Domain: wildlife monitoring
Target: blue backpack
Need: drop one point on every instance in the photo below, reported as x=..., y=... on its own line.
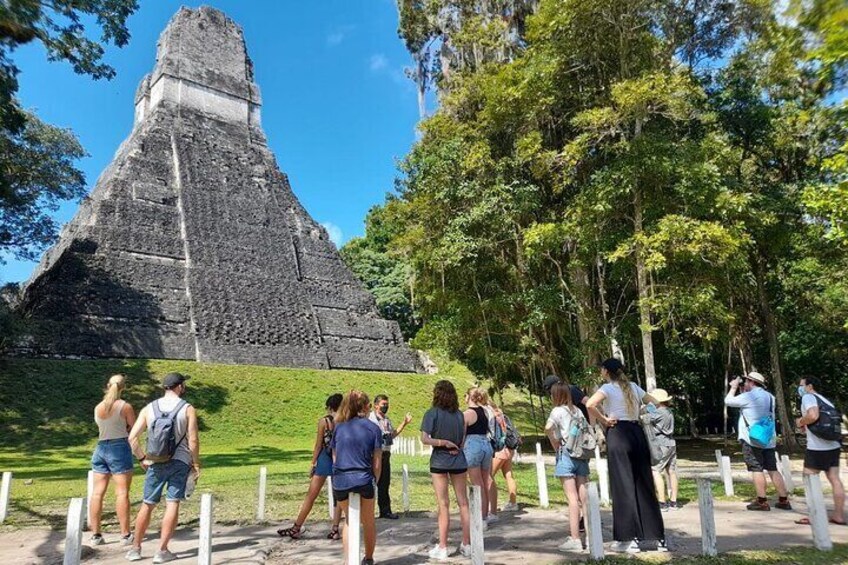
x=762, y=432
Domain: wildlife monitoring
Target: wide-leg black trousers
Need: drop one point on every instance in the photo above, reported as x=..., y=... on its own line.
x=383, y=499
x=635, y=510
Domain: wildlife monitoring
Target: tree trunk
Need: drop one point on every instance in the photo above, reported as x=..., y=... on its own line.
x=421, y=83
x=645, y=326
x=774, y=354
x=586, y=327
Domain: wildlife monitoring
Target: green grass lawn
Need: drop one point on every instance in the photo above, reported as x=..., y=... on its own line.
x=250, y=417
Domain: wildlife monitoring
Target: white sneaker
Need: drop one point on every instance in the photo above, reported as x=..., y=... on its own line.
x=439, y=553
x=164, y=556
x=625, y=547
x=465, y=550
x=492, y=518
x=133, y=554
x=571, y=544
x=510, y=507
x=485, y=525
x=662, y=546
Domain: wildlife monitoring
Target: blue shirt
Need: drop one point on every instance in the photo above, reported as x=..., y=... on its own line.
x=354, y=443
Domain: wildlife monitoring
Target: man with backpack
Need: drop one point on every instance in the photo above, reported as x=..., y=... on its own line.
x=757, y=436
x=823, y=424
x=172, y=453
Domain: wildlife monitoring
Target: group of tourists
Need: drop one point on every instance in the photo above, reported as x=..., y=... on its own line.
x=171, y=461
x=469, y=446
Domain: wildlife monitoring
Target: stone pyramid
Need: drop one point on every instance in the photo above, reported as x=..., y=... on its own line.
x=192, y=244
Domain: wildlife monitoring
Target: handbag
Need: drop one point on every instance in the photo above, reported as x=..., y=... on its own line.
x=762, y=432
x=650, y=436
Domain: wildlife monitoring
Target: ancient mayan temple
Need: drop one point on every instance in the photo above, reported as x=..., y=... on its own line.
x=192, y=244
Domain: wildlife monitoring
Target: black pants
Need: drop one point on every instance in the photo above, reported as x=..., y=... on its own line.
x=635, y=509
x=383, y=499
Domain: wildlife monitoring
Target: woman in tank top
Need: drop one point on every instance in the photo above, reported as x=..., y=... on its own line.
x=322, y=467
x=112, y=458
x=478, y=448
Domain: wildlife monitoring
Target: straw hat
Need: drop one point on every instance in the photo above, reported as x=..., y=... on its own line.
x=660, y=395
x=756, y=377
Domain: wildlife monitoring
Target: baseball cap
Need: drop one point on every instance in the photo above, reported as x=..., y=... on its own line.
x=549, y=382
x=173, y=379
x=612, y=365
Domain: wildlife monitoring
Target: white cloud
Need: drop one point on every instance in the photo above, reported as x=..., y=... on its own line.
x=378, y=62
x=335, y=233
x=338, y=35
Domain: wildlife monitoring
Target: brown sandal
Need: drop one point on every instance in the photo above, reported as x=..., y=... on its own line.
x=334, y=534
x=295, y=532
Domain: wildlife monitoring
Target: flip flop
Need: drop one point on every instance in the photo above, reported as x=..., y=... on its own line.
x=832, y=521
x=803, y=521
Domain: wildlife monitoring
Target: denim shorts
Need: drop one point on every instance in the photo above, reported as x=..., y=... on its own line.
x=568, y=467
x=324, y=465
x=478, y=452
x=173, y=473
x=112, y=457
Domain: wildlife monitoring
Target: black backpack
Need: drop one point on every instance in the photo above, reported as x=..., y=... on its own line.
x=162, y=435
x=512, y=439
x=829, y=424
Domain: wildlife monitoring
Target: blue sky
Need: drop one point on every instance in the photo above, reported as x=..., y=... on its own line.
x=337, y=108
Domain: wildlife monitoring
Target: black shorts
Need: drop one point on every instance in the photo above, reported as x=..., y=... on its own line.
x=759, y=459
x=365, y=491
x=435, y=471
x=822, y=460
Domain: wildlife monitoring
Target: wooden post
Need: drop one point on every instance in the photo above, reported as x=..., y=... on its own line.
x=353, y=541
x=718, y=462
x=818, y=512
x=73, y=532
x=260, y=506
x=4, y=495
x=705, y=507
x=603, y=478
x=204, y=548
x=786, y=465
x=594, y=532
x=727, y=475
x=405, y=487
x=475, y=507
x=89, y=492
x=331, y=502
x=541, y=478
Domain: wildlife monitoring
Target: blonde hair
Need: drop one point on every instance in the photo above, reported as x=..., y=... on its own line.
x=353, y=404
x=623, y=381
x=113, y=391
x=478, y=396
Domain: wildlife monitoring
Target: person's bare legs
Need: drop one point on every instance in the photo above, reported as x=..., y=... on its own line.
x=488, y=485
x=476, y=476
x=672, y=481
x=460, y=489
x=659, y=484
x=142, y=522
x=493, y=492
x=95, y=510
x=777, y=481
x=315, y=486
x=440, y=486
x=511, y=486
x=369, y=527
x=569, y=485
x=169, y=523
x=337, y=516
x=123, y=482
x=838, y=494
x=342, y=507
x=759, y=483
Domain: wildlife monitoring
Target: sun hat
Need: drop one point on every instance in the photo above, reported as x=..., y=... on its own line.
x=756, y=377
x=660, y=395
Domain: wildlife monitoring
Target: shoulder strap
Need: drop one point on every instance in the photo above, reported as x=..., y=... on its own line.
x=173, y=416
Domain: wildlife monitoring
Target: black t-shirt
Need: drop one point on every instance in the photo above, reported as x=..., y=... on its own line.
x=577, y=397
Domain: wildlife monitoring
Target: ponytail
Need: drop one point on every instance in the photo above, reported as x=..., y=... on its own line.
x=354, y=403
x=623, y=381
x=114, y=388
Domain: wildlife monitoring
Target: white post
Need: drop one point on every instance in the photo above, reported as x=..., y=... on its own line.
x=331, y=502
x=420, y=447
x=718, y=455
x=541, y=478
x=705, y=507
x=353, y=541
x=603, y=479
x=204, y=549
x=405, y=487
x=73, y=533
x=594, y=532
x=260, y=506
x=727, y=475
x=89, y=492
x=818, y=513
x=4, y=495
x=475, y=507
x=786, y=465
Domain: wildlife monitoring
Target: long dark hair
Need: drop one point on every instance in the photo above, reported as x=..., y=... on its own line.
x=444, y=396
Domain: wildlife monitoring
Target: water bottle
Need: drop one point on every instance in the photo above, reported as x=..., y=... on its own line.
x=571, y=440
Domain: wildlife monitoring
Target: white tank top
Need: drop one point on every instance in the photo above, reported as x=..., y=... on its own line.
x=114, y=426
x=166, y=404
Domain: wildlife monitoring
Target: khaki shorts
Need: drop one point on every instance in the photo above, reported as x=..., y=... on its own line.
x=668, y=462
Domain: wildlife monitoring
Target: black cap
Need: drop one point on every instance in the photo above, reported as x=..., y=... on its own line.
x=549, y=382
x=612, y=365
x=173, y=379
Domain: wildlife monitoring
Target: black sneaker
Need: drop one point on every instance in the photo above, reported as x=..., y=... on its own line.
x=783, y=504
x=389, y=516
x=367, y=561
x=582, y=525
x=662, y=546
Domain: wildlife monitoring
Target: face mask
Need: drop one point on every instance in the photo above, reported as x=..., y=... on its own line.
x=802, y=390
x=384, y=409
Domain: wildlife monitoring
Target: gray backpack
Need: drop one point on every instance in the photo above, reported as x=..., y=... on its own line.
x=162, y=434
